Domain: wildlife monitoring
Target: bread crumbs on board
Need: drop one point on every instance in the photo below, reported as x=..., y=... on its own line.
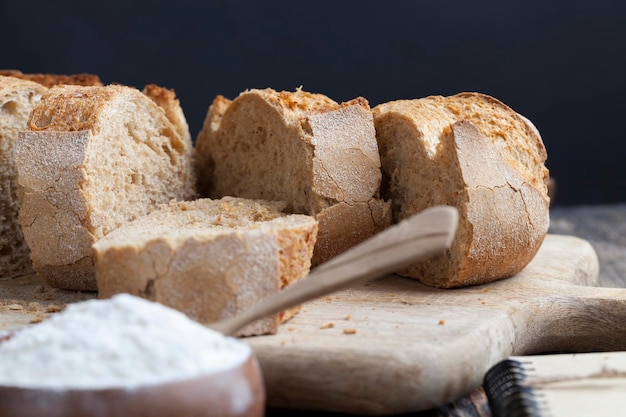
x=37, y=318
x=442, y=322
x=349, y=331
x=33, y=306
x=327, y=325
x=27, y=299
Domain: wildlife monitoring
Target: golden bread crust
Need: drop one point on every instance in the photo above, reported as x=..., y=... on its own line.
x=69, y=109
x=475, y=153
x=49, y=80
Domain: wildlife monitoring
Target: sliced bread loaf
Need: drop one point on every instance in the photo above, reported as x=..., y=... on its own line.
x=208, y=258
x=473, y=152
x=318, y=156
x=17, y=99
x=93, y=159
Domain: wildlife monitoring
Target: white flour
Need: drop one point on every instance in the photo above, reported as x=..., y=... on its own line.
x=120, y=342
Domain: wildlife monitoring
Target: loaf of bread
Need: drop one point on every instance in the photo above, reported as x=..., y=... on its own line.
x=93, y=159
x=208, y=258
x=475, y=153
x=318, y=156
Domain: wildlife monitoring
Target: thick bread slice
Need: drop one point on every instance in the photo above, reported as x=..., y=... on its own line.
x=208, y=258
x=318, y=156
x=50, y=80
x=17, y=98
x=475, y=153
x=18, y=94
x=93, y=159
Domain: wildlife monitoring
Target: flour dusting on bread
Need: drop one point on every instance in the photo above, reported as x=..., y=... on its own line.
x=475, y=153
x=105, y=155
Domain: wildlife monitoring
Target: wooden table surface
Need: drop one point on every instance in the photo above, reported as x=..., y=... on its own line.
x=605, y=228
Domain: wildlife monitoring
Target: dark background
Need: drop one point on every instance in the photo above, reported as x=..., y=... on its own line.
x=561, y=63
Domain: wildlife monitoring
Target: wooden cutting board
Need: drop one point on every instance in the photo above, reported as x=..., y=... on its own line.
x=396, y=346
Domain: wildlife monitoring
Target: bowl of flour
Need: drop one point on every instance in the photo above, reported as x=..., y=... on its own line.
x=126, y=356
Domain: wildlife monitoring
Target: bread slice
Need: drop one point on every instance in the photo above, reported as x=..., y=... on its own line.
x=93, y=159
x=17, y=99
x=477, y=154
x=19, y=93
x=318, y=156
x=208, y=258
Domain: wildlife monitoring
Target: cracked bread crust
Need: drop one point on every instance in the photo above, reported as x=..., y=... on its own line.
x=210, y=259
x=105, y=155
x=472, y=152
x=318, y=156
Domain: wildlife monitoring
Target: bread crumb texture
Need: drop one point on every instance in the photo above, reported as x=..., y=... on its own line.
x=37, y=318
x=317, y=155
x=105, y=155
x=208, y=258
x=472, y=152
x=53, y=308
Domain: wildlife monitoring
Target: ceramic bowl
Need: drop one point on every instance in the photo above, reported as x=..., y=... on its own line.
x=235, y=391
